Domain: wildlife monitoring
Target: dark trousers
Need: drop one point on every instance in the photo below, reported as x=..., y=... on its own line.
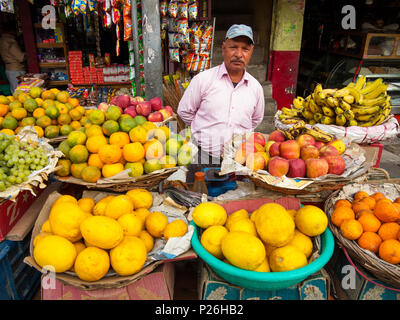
x=204, y=160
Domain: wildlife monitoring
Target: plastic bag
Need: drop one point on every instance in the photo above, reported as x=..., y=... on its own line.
x=174, y=54
x=183, y=10
x=127, y=8
x=92, y=5
x=107, y=20
x=173, y=39
x=183, y=25
x=192, y=11
x=127, y=28
x=163, y=8
x=173, y=9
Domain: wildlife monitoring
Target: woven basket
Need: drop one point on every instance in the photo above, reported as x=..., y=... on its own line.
x=57, y=140
x=150, y=181
x=379, y=268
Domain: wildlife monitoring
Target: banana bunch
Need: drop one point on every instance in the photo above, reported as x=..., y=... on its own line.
x=299, y=128
x=294, y=131
x=362, y=103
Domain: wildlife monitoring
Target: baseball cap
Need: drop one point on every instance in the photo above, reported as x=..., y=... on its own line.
x=238, y=30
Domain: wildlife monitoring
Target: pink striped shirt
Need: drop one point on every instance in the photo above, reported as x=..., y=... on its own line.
x=215, y=109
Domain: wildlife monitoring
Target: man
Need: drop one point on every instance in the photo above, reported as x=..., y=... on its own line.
x=223, y=100
x=12, y=55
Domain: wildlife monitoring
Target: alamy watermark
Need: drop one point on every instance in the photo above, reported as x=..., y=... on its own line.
x=349, y=20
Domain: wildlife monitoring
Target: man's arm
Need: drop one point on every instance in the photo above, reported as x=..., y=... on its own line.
x=190, y=101
x=258, y=113
x=16, y=52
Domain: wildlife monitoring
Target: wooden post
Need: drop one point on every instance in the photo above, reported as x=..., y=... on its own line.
x=29, y=37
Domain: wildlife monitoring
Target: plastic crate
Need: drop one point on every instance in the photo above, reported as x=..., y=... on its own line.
x=18, y=281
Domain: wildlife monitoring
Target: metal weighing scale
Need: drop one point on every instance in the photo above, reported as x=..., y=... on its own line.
x=217, y=184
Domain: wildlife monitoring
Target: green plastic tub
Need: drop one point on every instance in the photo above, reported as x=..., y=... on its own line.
x=264, y=280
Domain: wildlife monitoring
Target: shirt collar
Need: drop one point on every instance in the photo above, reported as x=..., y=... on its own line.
x=222, y=71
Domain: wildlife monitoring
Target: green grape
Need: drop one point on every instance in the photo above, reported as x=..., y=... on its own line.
x=18, y=180
x=11, y=179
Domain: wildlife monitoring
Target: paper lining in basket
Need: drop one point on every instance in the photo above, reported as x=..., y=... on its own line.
x=37, y=177
x=162, y=250
x=354, y=157
x=385, y=131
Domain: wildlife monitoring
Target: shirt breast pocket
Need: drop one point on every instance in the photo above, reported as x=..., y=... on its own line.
x=244, y=110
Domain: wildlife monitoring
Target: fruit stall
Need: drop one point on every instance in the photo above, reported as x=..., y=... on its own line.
x=95, y=202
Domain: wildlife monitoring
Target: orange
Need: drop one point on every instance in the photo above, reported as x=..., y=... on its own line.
x=369, y=222
x=133, y=152
x=76, y=125
x=389, y=230
x=360, y=195
x=38, y=112
x=73, y=101
x=78, y=154
x=370, y=202
x=94, y=160
x=370, y=241
x=94, y=143
x=153, y=149
x=341, y=203
x=389, y=250
x=385, y=200
x=378, y=196
x=362, y=212
x=110, y=170
x=75, y=114
x=386, y=211
x=397, y=205
x=3, y=110
x=358, y=206
x=64, y=118
x=120, y=139
x=110, y=153
x=340, y=214
x=8, y=132
x=39, y=131
x=397, y=200
x=351, y=229
x=19, y=113
x=91, y=174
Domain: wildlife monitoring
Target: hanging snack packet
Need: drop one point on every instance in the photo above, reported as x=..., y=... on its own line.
x=107, y=20
x=163, y=34
x=172, y=25
x=182, y=10
x=192, y=10
x=174, y=54
x=107, y=5
x=163, y=8
x=173, y=39
x=116, y=16
x=183, y=25
x=173, y=9
x=92, y=5
x=127, y=8
x=127, y=28
x=81, y=5
x=164, y=23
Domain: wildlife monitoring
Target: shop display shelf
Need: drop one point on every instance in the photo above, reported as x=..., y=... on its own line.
x=52, y=64
x=50, y=45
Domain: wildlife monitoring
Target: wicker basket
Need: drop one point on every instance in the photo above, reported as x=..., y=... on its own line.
x=379, y=268
x=148, y=181
x=57, y=140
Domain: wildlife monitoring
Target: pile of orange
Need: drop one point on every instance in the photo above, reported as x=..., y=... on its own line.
x=51, y=112
x=371, y=220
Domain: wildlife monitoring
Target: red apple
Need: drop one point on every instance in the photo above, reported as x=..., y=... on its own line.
x=297, y=168
x=139, y=99
x=143, y=108
x=305, y=139
x=328, y=150
x=309, y=151
x=155, y=117
x=240, y=156
x=337, y=165
x=319, y=144
x=156, y=103
x=278, y=166
x=257, y=137
x=277, y=136
x=169, y=109
x=102, y=106
x=259, y=147
x=274, y=149
x=248, y=147
x=164, y=113
x=131, y=111
x=316, y=167
x=289, y=149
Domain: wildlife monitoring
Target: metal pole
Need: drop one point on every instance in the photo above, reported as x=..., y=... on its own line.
x=135, y=42
x=152, y=48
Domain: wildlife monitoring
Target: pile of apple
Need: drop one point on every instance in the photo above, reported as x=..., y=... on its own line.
x=153, y=110
x=301, y=158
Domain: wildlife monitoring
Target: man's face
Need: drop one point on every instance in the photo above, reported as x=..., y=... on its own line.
x=237, y=53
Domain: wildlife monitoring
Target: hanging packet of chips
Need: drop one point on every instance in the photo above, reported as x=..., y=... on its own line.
x=92, y=5
x=107, y=20
x=81, y=6
x=107, y=5
x=174, y=54
x=183, y=25
x=164, y=23
x=163, y=8
x=192, y=10
x=172, y=25
x=173, y=39
x=127, y=8
x=182, y=10
x=127, y=28
x=116, y=16
x=173, y=9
